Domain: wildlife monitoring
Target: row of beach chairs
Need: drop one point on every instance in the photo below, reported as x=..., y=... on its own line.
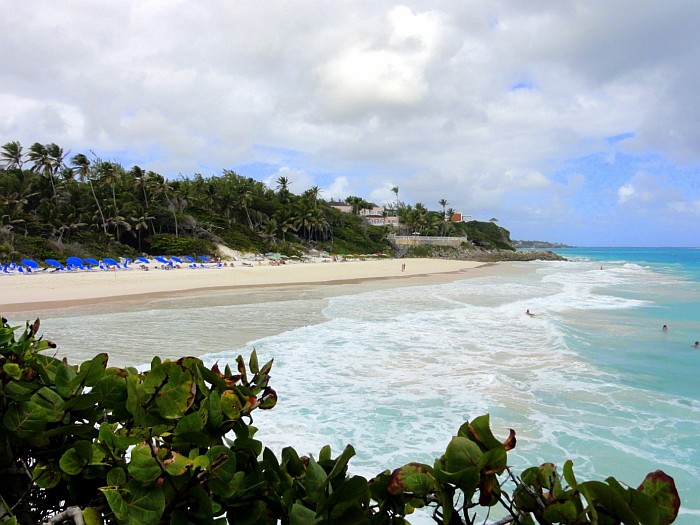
x=29, y=266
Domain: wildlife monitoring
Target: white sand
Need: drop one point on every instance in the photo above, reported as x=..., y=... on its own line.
x=63, y=289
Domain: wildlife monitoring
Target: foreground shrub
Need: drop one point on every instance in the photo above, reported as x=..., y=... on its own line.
x=176, y=445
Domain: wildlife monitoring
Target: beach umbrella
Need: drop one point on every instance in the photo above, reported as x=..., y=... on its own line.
x=91, y=261
x=143, y=260
x=162, y=260
x=190, y=259
x=177, y=260
x=30, y=264
x=110, y=262
x=203, y=258
x=75, y=261
x=54, y=263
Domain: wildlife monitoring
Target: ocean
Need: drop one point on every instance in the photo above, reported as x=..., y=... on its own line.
x=592, y=377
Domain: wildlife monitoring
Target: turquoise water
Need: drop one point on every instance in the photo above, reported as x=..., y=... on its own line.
x=394, y=372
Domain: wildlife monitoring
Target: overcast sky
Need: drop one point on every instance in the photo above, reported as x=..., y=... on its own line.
x=568, y=121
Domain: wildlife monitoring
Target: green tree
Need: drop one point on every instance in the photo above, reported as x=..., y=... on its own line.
x=12, y=155
x=81, y=164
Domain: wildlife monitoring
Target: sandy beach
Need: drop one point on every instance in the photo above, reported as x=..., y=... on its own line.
x=51, y=290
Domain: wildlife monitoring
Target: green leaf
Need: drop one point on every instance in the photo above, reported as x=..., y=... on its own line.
x=569, y=474
x=92, y=516
x=76, y=458
x=604, y=496
x=46, y=476
x=137, y=504
x=20, y=390
x=660, y=487
x=300, y=515
x=415, y=478
x=461, y=453
x=479, y=431
x=177, y=464
x=561, y=512
x=176, y=396
x=116, y=477
x=49, y=403
x=143, y=467
x=253, y=362
x=216, y=416
x=190, y=423
x=64, y=374
x=342, y=461
x=231, y=405
x=13, y=370
x=91, y=372
x=314, y=481
x=23, y=421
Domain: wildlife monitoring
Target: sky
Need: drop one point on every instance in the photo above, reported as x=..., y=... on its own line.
x=568, y=121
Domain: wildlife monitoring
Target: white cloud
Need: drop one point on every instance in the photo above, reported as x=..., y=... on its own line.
x=625, y=193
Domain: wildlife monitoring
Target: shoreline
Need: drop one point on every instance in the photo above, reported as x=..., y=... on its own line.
x=48, y=292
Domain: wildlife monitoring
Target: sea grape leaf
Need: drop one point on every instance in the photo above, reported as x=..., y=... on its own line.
x=231, y=405
x=92, y=371
x=352, y=491
x=12, y=370
x=563, y=512
x=604, y=496
x=461, y=453
x=660, y=487
x=92, y=516
x=177, y=464
x=190, y=423
x=253, y=362
x=116, y=477
x=143, y=466
x=20, y=390
x=479, y=431
x=178, y=394
x=49, y=403
x=76, y=458
x=24, y=422
x=46, y=476
x=213, y=403
x=137, y=505
x=341, y=462
x=314, y=481
x=413, y=477
x=301, y=515
x=569, y=474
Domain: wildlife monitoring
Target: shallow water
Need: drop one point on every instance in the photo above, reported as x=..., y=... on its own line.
x=395, y=371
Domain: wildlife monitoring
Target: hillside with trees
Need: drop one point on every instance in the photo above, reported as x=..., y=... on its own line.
x=55, y=204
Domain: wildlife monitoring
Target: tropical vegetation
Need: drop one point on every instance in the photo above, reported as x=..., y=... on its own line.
x=54, y=203
x=176, y=444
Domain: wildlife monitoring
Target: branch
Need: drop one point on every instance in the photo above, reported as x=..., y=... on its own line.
x=74, y=513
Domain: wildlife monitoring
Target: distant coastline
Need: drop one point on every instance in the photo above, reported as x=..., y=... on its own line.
x=539, y=244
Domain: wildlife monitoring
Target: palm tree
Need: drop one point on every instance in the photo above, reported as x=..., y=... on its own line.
x=395, y=190
x=43, y=163
x=283, y=188
x=141, y=223
x=82, y=167
x=443, y=203
x=12, y=155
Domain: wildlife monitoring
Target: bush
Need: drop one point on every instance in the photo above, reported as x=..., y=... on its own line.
x=176, y=445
